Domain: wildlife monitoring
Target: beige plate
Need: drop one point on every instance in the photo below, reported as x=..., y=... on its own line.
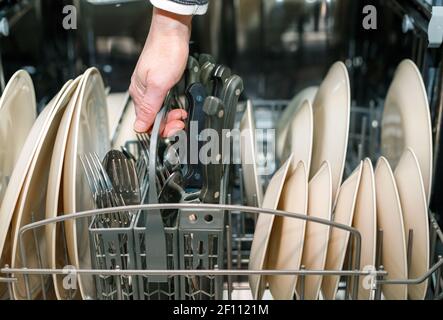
x=300, y=135
x=253, y=187
x=390, y=221
x=263, y=230
x=88, y=133
x=287, y=237
x=331, y=124
x=415, y=215
x=317, y=235
x=407, y=122
x=125, y=131
x=54, y=207
x=338, y=241
x=31, y=204
x=17, y=115
x=116, y=108
x=287, y=117
x=365, y=221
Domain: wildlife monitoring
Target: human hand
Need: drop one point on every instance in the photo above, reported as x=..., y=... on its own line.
x=160, y=67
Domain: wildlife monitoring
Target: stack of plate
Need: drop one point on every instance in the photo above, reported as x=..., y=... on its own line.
x=315, y=135
x=47, y=180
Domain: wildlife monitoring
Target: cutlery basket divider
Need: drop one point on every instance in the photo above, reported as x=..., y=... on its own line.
x=201, y=243
x=147, y=288
x=113, y=248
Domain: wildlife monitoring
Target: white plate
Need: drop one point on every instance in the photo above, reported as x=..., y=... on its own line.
x=263, y=228
x=415, y=215
x=252, y=184
x=31, y=204
x=288, y=115
x=300, y=135
x=126, y=130
x=287, y=236
x=407, y=122
x=390, y=221
x=332, y=107
x=54, y=204
x=88, y=133
x=317, y=235
x=365, y=221
x=17, y=115
x=116, y=108
x=338, y=240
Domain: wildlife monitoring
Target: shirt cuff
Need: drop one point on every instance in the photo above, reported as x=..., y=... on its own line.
x=183, y=9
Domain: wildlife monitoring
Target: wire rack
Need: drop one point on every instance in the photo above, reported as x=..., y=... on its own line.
x=208, y=246
x=221, y=276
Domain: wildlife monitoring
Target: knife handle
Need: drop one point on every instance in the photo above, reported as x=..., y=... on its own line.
x=213, y=167
x=196, y=96
x=220, y=76
x=192, y=71
x=204, y=57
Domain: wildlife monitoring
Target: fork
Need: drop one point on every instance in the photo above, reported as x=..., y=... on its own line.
x=103, y=191
x=123, y=176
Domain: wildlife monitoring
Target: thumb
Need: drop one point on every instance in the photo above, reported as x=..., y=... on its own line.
x=148, y=106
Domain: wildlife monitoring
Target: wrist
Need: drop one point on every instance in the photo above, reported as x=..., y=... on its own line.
x=169, y=23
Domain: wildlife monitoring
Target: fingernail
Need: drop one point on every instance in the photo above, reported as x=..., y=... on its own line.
x=140, y=126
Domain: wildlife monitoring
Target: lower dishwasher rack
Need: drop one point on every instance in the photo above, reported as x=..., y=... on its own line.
x=202, y=258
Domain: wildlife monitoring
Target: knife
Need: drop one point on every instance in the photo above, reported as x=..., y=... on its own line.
x=196, y=96
x=206, y=75
x=192, y=71
x=204, y=57
x=213, y=168
x=220, y=76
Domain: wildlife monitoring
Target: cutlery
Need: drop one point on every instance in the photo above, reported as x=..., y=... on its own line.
x=196, y=96
x=123, y=176
x=213, y=167
x=219, y=77
x=192, y=71
x=204, y=57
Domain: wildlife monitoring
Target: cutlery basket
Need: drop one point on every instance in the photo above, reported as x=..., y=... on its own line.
x=201, y=243
x=149, y=288
x=112, y=249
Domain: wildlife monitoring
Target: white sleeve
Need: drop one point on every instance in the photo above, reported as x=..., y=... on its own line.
x=184, y=7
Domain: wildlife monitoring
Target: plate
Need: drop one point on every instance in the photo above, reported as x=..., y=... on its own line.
x=415, y=216
x=31, y=205
x=116, y=109
x=125, y=131
x=17, y=116
x=390, y=221
x=288, y=115
x=300, y=135
x=56, y=246
x=331, y=124
x=365, y=221
x=88, y=134
x=407, y=122
x=252, y=183
x=287, y=236
x=338, y=239
x=263, y=228
x=317, y=235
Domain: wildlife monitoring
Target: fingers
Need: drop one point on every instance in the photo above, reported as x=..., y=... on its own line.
x=176, y=114
x=174, y=122
x=173, y=127
x=148, y=101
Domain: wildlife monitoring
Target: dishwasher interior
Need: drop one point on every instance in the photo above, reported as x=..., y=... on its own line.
x=278, y=48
